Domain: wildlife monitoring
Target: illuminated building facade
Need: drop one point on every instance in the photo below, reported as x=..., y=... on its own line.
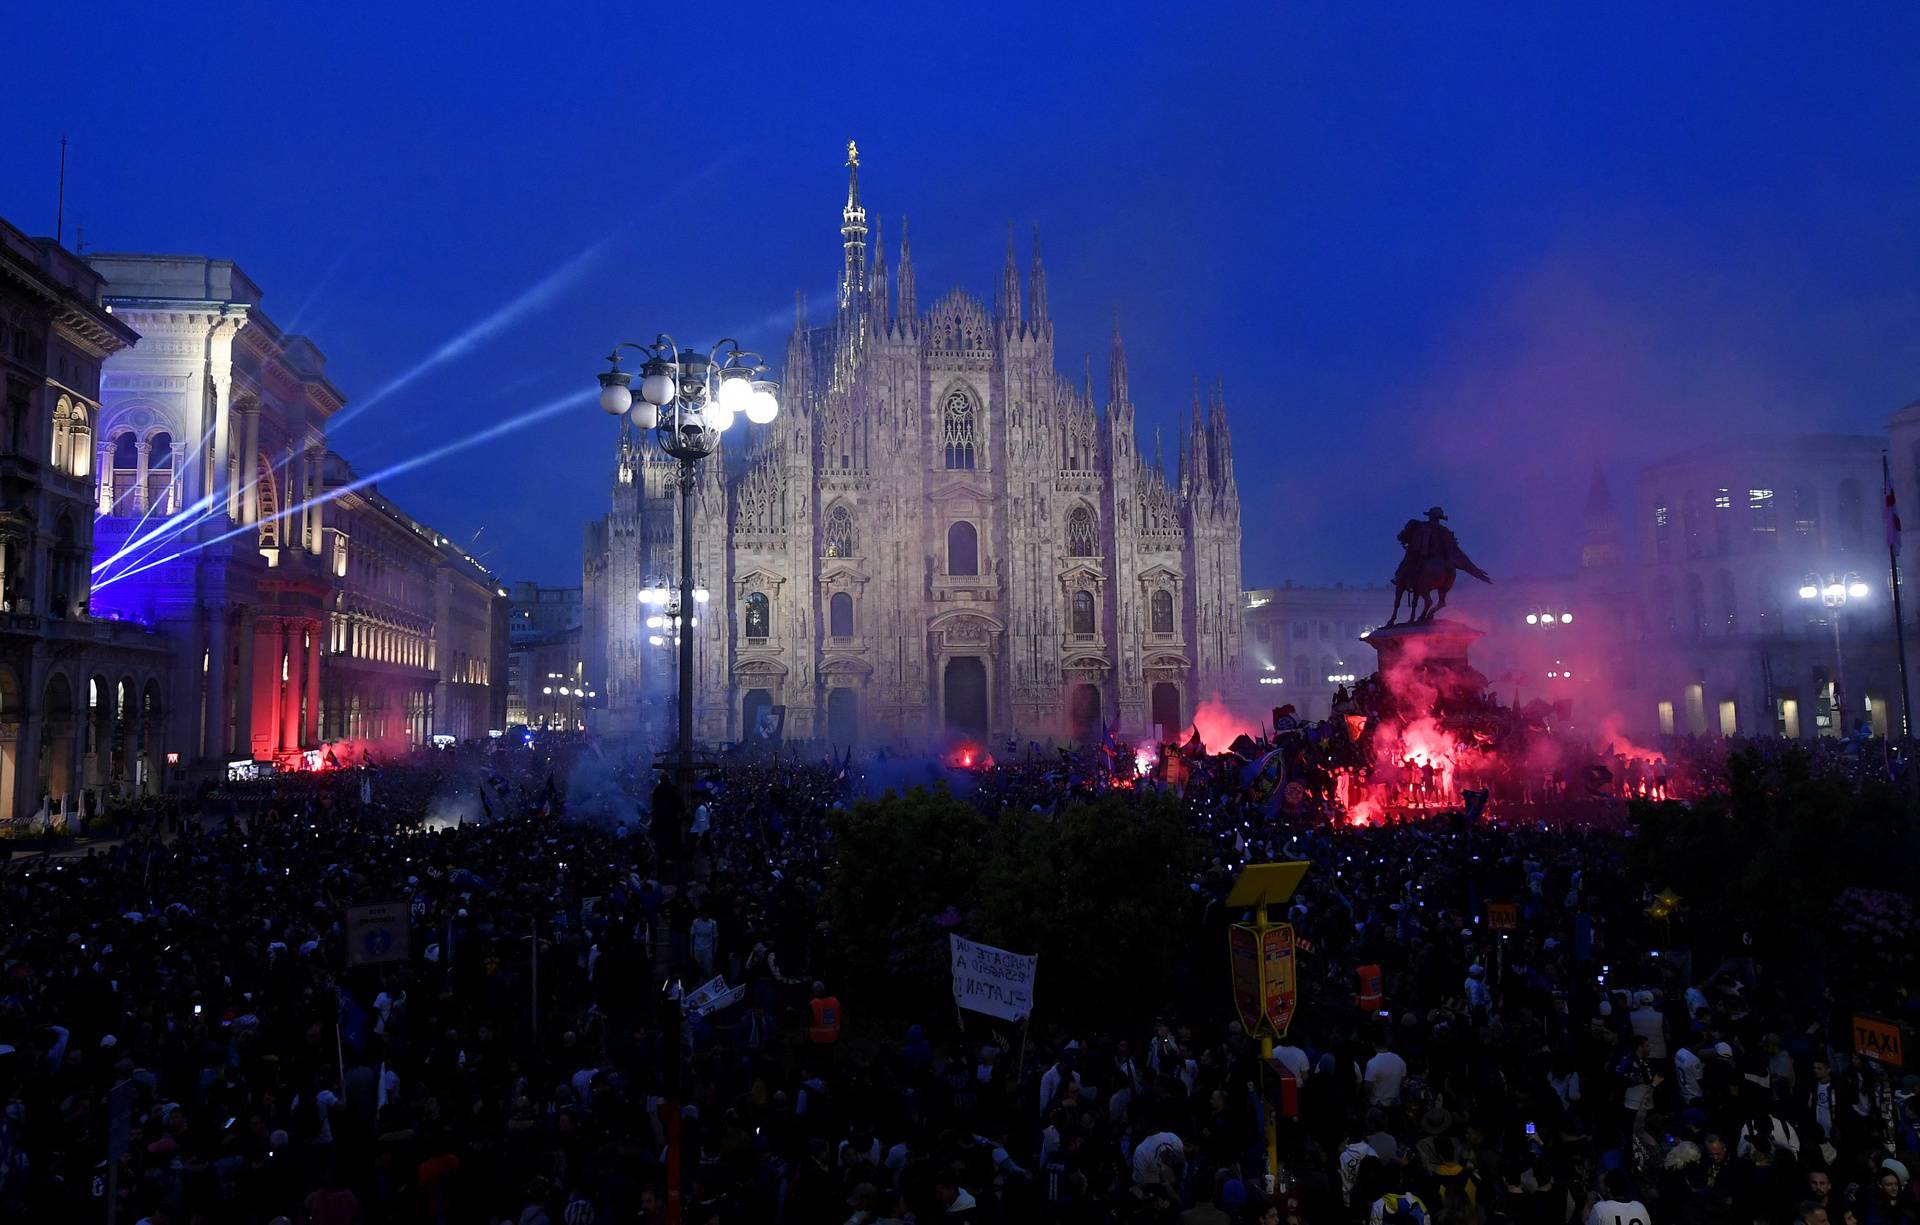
x=1302, y=642
x=940, y=535
x=82, y=696
x=548, y=686
x=219, y=521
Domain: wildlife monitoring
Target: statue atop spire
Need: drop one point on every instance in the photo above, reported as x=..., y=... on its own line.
x=853, y=236
x=1117, y=365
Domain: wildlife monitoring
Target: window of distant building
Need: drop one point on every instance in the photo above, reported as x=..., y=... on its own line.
x=758, y=614
x=839, y=533
x=1662, y=531
x=1762, y=518
x=1083, y=612
x=963, y=549
x=1696, y=625
x=1081, y=541
x=1806, y=512
x=1690, y=516
x=959, y=431
x=1726, y=606
x=1163, y=615
x=1852, y=514
x=840, y=615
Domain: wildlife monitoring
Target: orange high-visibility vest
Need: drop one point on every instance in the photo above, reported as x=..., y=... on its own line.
x=1371, y=994
x=826, y=1020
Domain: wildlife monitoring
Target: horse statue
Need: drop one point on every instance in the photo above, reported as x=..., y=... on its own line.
x=1426, y=572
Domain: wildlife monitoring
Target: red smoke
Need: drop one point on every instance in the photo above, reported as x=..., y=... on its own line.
x=1218, y=726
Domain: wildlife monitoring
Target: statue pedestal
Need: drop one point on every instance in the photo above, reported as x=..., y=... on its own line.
x=1424, y=664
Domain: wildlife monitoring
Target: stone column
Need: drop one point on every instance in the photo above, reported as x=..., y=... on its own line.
x=313, y=686
x=264, y=730
x=146, y=459
x=218, y=734
x=220, y=366
x=316, y=482
x=296, y=673
x=245, y=683
x=250, y=462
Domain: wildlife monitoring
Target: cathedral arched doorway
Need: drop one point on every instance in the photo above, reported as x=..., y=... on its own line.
x=1167, y=725
x=843, y=717
x=1083, y=713
x=756, y=703
x=965, y=695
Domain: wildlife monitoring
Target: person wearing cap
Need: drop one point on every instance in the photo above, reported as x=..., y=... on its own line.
x=1886, y=1202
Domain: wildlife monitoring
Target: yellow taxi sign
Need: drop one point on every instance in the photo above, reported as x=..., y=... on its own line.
x=1266, y=884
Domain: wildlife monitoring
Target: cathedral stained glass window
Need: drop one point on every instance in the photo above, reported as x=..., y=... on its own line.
x=959, y=431
x=757, y=614
x=1081, y=541
x=839, y=536
x=1163, y=612
x=1083, y=612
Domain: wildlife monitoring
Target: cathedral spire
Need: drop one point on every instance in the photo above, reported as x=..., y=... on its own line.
x=908, y=306
x=1008, y=302
x=1117, y=365
x=853, y=236
x=1159, y=462
x=1037, y=281
x=879, y=285
x=1220, y=436
x=1197, y=442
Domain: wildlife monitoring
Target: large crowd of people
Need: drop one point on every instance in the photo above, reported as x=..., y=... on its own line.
x=541, y=1040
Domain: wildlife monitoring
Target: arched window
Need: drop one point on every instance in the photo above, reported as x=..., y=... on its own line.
x=160, y=473
x=1302, y=674
x=839, y=534
x=1726, y=605
x=1082, y=612
x=758, y=614
x=840, y=615
x=963, y=549
x=959, y=432
x=1081, y=541
x=62, y=432
x=1696, y=624
x=1163, y=613
x=126, y=473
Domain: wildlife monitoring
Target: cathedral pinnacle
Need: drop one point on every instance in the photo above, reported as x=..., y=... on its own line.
x=908, y=306
x=1008, y=302
x=1037, y=281
x=1117, y=364
x=853, y=235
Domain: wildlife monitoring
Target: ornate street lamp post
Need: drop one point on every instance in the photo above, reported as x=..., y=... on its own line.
x=688, y=400
x=1834, y=592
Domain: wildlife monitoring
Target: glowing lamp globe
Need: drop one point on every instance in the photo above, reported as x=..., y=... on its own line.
x=763, y=405
x=658, y=388
x=1858, y=591
x=1808, y=592
x=720, y=413
x=615, y=397
x=736, y=389
x=644, y=415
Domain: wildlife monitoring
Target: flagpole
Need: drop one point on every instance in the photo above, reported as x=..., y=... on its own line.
x=1899, y=621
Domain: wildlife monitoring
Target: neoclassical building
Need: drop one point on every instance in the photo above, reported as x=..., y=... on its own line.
x=940, y=535
x=299, y=605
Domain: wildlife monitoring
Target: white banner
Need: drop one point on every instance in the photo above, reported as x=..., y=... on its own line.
x=991, y=980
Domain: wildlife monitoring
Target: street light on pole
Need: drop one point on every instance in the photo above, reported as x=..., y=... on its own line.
x=688, y=400
x=1833, y=592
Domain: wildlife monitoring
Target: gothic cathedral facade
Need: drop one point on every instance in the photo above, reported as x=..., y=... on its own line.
x=940, y=537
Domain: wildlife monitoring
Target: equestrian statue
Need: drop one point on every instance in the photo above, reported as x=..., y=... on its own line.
x=1427, y=570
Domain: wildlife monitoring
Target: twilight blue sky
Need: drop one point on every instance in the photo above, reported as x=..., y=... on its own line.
x=1437, y=253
